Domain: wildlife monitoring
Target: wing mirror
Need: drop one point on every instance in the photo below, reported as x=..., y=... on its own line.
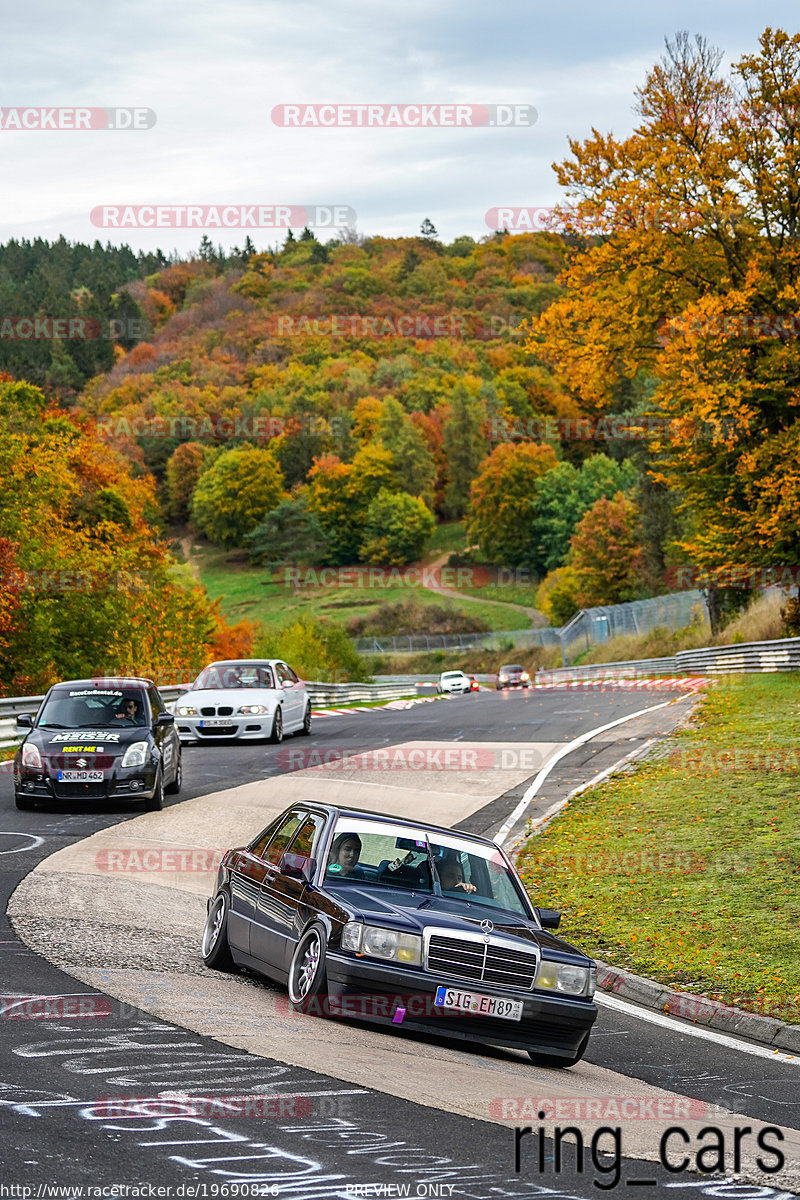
x=24, y=721
x=298, y=866
x=549, y=918
x=165, y=718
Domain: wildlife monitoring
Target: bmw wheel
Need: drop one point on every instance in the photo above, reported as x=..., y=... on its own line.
x=214, y=946
x=307, y=976
x=277, y=726
x=305, y=728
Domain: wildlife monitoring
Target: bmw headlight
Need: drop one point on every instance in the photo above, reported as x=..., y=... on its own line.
x=255, y=709
x=31, y=758
x=378, y=942
x=186, y=710
x=564, y=977
x=135, y=755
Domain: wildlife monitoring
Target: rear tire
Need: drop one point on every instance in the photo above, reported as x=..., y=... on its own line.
x=214, y=946
x=305, y=728
x=277, y=726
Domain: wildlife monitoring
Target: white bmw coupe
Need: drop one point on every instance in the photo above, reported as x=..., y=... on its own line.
x=245, y=698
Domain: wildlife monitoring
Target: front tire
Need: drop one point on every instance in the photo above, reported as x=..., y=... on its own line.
x=277, y=726
x=550, y=1060
x=156, y=802
x=307, y=976
x=214, y=946
x=177, y=782
x=23, y=803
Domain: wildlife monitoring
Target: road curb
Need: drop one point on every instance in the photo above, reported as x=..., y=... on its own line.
x=700, y=1010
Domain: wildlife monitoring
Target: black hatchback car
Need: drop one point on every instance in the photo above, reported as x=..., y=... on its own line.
x=98, y=739
x=404, y=924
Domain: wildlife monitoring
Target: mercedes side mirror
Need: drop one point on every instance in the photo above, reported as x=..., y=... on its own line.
x=549, y=918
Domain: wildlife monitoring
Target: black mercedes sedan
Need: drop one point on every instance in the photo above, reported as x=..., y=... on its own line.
x=404, y=924
x=98, y=740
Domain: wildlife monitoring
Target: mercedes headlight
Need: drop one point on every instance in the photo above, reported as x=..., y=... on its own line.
x=503, y=678
x=525, y=675
x=378, y=942
x=255, y=709
x=135, y=755
x=564, y=977
x=186, y=710
x=31, y=758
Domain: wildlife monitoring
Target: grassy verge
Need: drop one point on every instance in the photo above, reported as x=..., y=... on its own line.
x=474, y=661
x=260, y=595
x=687, y=871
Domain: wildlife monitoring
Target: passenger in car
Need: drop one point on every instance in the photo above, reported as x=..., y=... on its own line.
x=451, y=877
x=345, y=853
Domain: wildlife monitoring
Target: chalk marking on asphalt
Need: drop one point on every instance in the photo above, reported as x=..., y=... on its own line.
x=37, y=841
x=706, y=1035
x=516, y=815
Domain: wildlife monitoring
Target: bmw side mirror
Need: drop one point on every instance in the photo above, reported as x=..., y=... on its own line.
x=549, y=918
x=165, y=718
x=24, y=721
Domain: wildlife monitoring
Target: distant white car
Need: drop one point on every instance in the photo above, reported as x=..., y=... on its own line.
x=454, y=681
x=241, y=699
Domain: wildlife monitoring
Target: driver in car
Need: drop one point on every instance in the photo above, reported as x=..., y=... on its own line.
x=128, y=710
x=451, y=877
x=345, y=853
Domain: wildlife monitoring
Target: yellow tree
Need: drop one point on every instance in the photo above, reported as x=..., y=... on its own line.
x=687, y=272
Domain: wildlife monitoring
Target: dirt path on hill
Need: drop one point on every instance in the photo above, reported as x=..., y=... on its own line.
x=535, y=616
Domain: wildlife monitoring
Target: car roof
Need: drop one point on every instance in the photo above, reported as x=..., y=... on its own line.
x=242, y=662
x=106, y=683
x=388, y=819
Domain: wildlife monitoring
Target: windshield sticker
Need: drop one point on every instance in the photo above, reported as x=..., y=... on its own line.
x=89, y=733
x=335, y=867
x=98, y=692
x=82, y=749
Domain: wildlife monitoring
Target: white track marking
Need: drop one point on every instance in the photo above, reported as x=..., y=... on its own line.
x=706, y=1035
x=516, y=815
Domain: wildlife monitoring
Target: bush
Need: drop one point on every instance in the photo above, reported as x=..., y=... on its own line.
x=235, y=494
x=410, y=617
x=556, y=595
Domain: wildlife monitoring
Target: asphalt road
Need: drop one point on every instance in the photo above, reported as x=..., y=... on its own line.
x=56, y=1070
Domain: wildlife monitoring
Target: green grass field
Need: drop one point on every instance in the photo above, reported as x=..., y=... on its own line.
x=687, y=870
x=269, y=597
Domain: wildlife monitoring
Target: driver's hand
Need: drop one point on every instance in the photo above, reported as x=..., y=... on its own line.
x=467, y=887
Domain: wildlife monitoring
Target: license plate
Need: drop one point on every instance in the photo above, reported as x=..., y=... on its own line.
x=480, y=1005
x=222, y=723
x=81, y=776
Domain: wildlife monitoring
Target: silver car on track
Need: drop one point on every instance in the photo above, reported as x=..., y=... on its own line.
x=244, y=699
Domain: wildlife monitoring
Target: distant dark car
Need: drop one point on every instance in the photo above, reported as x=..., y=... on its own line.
x=404, y=924
x=97, y=739
x=512, y=676
x=474, y=686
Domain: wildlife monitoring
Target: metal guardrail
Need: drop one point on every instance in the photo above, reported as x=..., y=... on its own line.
x=748, y=657
x=322, y=695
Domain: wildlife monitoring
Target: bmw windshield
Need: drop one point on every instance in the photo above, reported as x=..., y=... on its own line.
x=402, y=857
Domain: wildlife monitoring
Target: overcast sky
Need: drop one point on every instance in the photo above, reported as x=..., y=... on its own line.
x=213, y=73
